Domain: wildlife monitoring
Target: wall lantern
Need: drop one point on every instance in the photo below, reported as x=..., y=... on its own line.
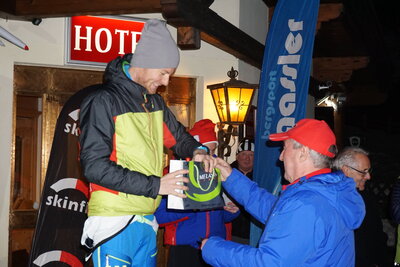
x=232, y=100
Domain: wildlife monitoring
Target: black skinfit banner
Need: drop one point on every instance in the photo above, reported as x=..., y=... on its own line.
x=62, y=210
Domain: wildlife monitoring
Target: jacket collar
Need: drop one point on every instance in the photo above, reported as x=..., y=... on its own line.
x=301, y=179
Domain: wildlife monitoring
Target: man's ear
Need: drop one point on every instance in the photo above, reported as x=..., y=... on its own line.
x=304, y=153
x=345, y=170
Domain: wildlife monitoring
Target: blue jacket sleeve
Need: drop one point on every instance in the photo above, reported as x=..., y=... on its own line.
x=256, y=201
x=228, y=216
x=165, y=216
x=279, y=246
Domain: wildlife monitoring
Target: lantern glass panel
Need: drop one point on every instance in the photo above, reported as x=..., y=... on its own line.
x=232, y=99
x=219, y=101
x=239, y=101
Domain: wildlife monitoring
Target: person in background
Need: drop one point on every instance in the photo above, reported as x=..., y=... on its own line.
x=245, y=157
x=370, y=240
x=124, y=128
x=184, y=230
x=311, y=222
x=244, y=163
x=204, y=132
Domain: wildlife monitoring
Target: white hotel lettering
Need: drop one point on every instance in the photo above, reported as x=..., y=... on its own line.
x=104, y=34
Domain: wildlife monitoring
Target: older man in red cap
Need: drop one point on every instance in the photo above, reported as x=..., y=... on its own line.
x=311, y=223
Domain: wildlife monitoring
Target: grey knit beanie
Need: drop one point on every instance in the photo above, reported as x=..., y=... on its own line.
x=156, y=49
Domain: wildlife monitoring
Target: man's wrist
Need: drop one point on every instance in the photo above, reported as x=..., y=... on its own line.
x=201, y=150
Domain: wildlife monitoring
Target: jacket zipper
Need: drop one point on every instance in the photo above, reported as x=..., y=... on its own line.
x=150, y=133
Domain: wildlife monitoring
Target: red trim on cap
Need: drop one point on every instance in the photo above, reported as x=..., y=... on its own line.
x=278, y=136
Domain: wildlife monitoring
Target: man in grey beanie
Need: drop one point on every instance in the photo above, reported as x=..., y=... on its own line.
x=124, y=128
x=156, y=48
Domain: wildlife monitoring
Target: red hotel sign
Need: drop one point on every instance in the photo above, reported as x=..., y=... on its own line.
x=98, y=40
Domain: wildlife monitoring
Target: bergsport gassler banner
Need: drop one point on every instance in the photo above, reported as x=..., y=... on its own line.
x=283, y=86
x=62, y=210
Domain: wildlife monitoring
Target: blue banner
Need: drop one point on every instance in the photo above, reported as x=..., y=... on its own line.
x=283, y=87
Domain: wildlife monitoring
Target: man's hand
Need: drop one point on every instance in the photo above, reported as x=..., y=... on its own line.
x=209, y=163
x=172, y=182
x=222, y=165
x=231, y=207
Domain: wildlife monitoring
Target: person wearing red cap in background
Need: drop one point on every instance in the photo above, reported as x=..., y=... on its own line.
x=204, y=132
x=184, y=230
x=311, y=222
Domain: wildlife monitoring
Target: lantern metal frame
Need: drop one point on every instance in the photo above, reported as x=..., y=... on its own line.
x=232, y=101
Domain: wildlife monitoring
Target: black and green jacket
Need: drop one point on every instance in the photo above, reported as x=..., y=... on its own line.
x=123, y=133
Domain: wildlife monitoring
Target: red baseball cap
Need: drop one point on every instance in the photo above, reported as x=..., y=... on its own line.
x=312, y=133
x=204, y=132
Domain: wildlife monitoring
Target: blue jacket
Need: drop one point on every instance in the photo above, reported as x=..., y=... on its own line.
x=311, y=224
x=188, y=227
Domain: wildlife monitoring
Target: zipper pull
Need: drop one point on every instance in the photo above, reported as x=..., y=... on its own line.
x=107, y=262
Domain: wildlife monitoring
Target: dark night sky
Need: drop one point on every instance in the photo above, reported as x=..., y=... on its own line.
x=377, y=24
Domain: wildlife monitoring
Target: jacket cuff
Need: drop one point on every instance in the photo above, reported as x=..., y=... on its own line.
x=155, y=185
x=210, y=249
x=232, y=178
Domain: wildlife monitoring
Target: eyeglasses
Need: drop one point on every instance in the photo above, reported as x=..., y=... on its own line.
x=363, y=173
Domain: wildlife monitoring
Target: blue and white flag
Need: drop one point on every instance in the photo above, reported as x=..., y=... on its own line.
x=284, y=84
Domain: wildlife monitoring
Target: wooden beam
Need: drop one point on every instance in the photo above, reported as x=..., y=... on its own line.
x=328, y=12
x=214, y=29
x=66, y=8
x=337, y=69
x=188, y=38
x=232, y=50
